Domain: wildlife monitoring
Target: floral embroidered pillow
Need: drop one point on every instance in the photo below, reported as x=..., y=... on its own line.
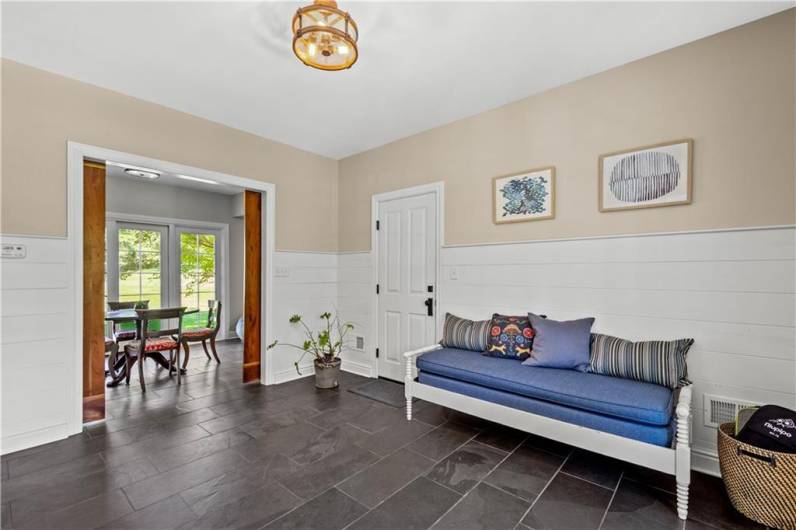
x=510, y=337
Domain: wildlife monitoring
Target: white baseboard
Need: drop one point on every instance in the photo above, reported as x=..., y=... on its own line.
x=283, y=376
x=26, y=440
x=705, y=461
x=365, y=370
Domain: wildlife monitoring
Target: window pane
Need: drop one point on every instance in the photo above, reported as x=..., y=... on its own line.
x=149, y=240
x=207, y=243
x=187, y=243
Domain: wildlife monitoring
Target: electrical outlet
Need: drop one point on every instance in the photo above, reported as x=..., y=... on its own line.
x=454, y=273
x=360, y=343
x=14, y=251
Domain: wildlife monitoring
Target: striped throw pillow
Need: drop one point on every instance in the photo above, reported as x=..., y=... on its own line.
x=465, y=334
x=656, y=361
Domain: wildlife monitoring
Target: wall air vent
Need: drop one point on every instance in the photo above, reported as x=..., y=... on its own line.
x=718, y=409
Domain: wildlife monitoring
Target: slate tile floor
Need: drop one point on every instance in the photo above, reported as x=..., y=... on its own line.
x=214, y=453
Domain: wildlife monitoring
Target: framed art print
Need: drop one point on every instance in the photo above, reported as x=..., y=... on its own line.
x=646, y=177
x=526, y=196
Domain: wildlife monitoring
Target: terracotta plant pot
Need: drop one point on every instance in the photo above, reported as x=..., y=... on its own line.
x=327, y=375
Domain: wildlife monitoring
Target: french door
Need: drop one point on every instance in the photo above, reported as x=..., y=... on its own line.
x=168, y=265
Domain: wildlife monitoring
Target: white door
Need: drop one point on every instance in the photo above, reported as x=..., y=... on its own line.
x=407, y=279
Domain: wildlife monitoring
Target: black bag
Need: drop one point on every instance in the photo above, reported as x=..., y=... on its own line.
x=772, y=428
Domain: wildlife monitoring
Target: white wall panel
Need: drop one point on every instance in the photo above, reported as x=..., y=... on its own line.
x=37, y=341
x=732, y=291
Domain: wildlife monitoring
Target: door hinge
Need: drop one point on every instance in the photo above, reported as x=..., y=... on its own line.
x=377, y=288
x=377, y=353
x=377, y=225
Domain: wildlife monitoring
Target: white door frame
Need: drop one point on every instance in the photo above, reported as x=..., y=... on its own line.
x=438, y=189
x=174, y=225
x=76, y=153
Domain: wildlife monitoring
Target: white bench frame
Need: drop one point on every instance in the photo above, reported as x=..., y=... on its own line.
x=674, y=460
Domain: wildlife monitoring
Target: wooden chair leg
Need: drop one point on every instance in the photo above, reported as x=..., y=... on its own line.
x=213, y=347
x=129, y=362
x=204, y=345
x=187, y=354
x=171, y=361
x=141, y=359
x=179, y=370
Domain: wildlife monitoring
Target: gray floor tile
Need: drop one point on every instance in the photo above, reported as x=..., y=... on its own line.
x=185, y=453
x=48, y=496
x=171, y=482
x=415, y=507
x=551, y=446
x=229, y=487
x=484, y=508
x=593, y=467
x=443, y=440
x=383, y=478
x=286, y=440
x=252, y=510
x=328, y=442
x=464, y=468
x=636, y=506
x=304, y=438
x=388, y=440
x=91, y=513
x=166, y=514
x=569, y=502
x=525, y=472
x=502, y=437
x=328, y=471
x=709, y=504
x=332, y=510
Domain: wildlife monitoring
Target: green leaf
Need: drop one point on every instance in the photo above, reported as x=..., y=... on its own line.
x=326, y=315
x=295, y=319
x=307, y=345
x=272, y=345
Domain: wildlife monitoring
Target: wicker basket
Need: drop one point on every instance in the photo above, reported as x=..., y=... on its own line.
x=761, y=484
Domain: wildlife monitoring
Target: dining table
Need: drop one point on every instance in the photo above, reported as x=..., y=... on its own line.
x=117, y=368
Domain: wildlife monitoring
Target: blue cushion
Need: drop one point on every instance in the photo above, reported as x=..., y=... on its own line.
x=563, y=344
x=622, y=398
x=652, y=434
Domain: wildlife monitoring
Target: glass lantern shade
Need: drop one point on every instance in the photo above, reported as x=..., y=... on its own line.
x=325, y=37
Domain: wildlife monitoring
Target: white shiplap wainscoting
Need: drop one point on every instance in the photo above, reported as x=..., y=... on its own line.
x=355, y=294
x=305, y=283
x=731, y=290
x=38, y=343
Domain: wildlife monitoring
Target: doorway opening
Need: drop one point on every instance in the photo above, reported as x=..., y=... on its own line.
x=187, y=238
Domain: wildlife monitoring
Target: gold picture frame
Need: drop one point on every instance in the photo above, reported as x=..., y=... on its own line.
x=548, y=202
x=681, y=193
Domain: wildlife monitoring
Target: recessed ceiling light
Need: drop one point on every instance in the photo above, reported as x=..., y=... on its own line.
x=142, y=173
x=197, y=179
x=128, y=166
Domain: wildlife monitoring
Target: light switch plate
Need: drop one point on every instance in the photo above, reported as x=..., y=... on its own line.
x=282, y=271
x=14, y=251
x=454, y=274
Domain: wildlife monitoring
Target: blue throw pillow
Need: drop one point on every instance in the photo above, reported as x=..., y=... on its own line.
x=560, y=344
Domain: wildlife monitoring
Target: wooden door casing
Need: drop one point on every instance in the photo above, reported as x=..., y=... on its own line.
x=93, y=291
x=252, y=286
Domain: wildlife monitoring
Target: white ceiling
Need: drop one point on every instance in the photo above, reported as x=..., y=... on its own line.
x=421, y=65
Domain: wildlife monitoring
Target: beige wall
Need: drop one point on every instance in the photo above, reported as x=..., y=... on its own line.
x=42, y=111
x=733, y=93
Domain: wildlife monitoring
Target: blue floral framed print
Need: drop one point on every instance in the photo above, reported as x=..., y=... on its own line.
x=526, y=196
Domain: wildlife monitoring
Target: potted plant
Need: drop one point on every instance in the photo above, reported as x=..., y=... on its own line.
x=325, y=345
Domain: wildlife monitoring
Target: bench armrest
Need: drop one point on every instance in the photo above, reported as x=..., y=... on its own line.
x=683, y=408
x=414, y=353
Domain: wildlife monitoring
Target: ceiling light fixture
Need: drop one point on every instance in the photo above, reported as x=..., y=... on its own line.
x=325, y=37
x=197, y=179
x=151, y=175
x=128, y=166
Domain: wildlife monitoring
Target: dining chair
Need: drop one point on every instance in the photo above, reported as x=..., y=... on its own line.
x=152, y=341
x=204, y=334
x=126, y=334
x=111, y=354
